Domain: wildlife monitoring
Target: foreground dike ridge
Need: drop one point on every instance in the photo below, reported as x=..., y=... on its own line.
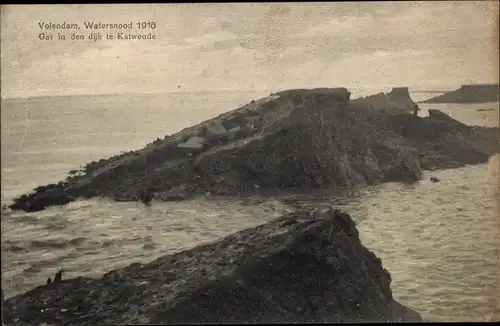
x=292, y=140
x=306, y=266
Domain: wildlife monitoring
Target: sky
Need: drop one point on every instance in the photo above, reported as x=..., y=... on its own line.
x=211, y=47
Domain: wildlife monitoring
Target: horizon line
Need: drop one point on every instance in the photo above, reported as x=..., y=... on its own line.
x=120, y=93
x=420, y=89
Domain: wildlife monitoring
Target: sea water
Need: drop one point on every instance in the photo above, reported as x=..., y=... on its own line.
x=438, y=240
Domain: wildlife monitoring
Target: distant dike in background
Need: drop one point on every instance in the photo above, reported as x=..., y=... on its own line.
x=481, y=93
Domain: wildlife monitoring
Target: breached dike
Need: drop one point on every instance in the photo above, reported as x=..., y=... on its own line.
x=307, y=266
x=398, y=99
x=291, y=141
x=483, y=93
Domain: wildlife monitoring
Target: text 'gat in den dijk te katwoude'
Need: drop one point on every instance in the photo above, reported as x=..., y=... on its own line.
x=95, y=31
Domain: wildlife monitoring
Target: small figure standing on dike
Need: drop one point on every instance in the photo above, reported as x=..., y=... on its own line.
x=146, y=195
x=415, y=110
x=58, y=276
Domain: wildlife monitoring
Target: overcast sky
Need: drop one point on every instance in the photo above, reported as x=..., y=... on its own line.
x=204, y=47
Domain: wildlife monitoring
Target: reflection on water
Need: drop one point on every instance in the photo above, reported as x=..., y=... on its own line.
x=438, y=240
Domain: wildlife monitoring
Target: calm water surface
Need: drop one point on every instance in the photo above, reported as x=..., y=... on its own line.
x=438, y=240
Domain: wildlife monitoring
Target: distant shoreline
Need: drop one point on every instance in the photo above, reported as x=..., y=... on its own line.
x=429, y=91
x=468, y=94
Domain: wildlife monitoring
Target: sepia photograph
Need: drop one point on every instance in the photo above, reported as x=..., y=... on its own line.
x=214, y=163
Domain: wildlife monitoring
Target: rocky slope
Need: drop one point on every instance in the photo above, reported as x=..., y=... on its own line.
x=469, y=94
x=307, y=266
x=289, y=141
x=441, y=141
